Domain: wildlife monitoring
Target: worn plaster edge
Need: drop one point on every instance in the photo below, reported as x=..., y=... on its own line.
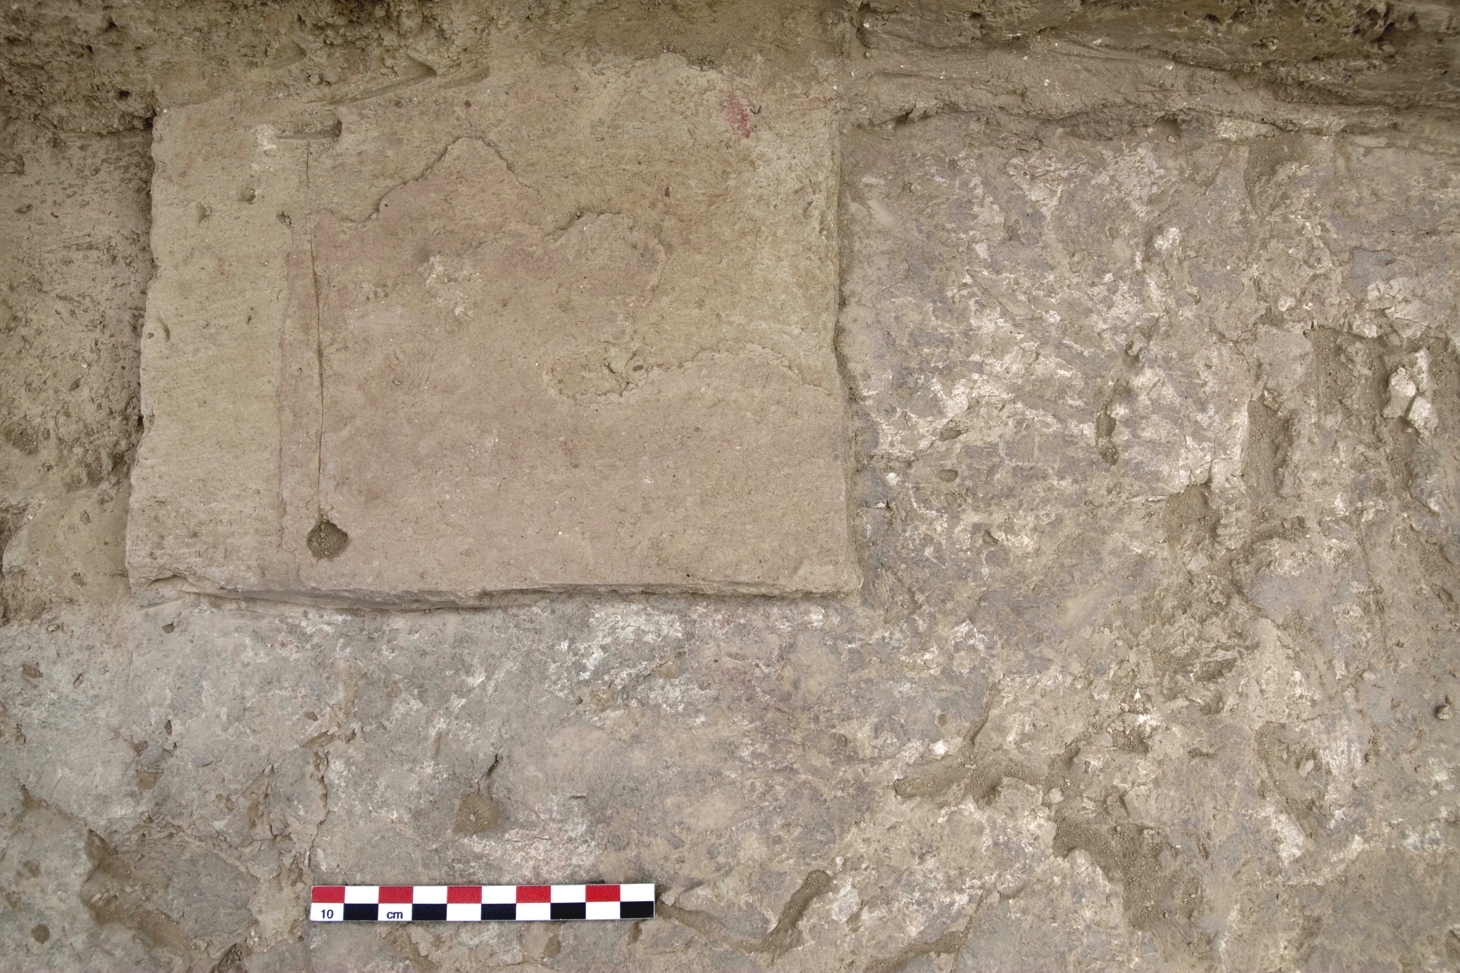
x=175, y=588
x=147, y=537
x=135, y=546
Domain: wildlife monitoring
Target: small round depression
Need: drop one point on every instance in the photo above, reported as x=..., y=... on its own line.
x=325, y=540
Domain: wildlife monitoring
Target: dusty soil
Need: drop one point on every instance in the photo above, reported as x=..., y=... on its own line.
x=1149, y=330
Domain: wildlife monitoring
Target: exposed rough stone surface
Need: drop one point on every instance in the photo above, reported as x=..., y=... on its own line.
x=1126, y=415
x=463, y=342
x=1154, y=387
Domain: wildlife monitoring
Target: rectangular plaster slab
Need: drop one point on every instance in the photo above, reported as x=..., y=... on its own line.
x=567, y=326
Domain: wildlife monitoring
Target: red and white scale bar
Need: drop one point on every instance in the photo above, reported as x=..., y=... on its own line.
x=480, y=903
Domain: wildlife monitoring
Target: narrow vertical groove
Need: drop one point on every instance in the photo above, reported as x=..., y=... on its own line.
x=318, y=355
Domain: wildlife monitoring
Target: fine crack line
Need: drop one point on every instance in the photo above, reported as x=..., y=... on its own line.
x=426, y=171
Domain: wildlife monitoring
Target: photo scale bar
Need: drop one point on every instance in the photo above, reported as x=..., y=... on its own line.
x=480, y=903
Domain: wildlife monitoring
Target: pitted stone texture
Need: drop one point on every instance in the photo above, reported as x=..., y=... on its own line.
x=472, y=342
